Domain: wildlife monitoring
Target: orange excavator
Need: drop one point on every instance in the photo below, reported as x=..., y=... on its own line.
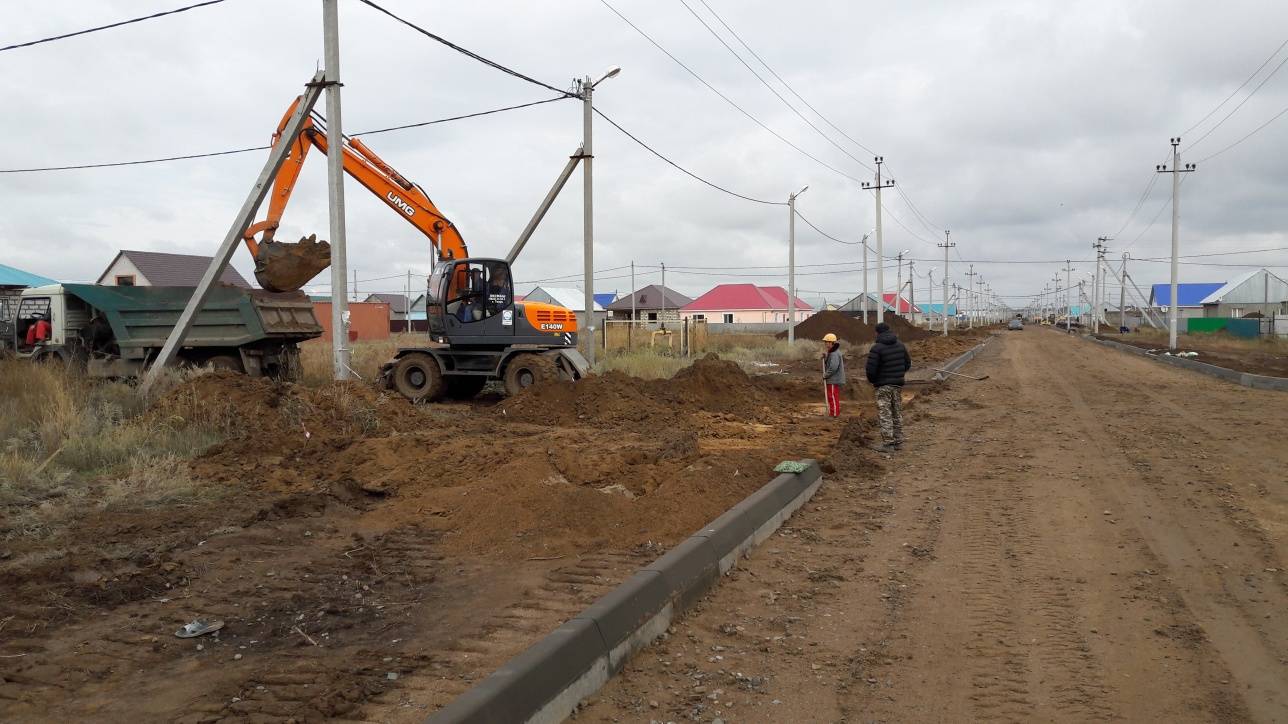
x=476, y=331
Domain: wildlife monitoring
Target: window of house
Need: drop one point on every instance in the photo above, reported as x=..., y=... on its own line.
x=1236, y=312
x=652, y=316
x=700, y=317
x=728, y=318
x=124, y=280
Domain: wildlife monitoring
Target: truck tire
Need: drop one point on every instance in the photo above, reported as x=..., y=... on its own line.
x=418, y=378
x=464, y=387
x=225, y=362
x=526, y=370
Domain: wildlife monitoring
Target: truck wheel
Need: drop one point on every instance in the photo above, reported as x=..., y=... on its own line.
x=526, y=370
x=418, y=378
x=462, y=387
x=225, y=362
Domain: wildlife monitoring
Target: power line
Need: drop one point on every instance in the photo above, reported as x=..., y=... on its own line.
x=786, y=85
x=811, y=225
x=765, y=83
x=466, y=52
x=1245, y=82
x=724, y=97
x=140, y=162
x=1240, y=105
x=682, y=169
x=1250, y=134
x=131, y=21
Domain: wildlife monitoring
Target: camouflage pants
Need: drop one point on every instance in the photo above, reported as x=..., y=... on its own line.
x=890, y=413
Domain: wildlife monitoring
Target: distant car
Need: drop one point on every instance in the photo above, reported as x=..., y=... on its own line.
x=1015, y=324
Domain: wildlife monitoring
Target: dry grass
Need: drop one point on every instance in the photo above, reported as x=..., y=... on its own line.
x=365, y=361
x=70, y=444
x=1212, y=341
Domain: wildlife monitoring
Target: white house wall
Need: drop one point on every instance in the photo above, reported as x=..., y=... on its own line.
x=123, y=267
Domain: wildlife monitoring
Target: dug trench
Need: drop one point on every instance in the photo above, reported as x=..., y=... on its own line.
x=371, y=559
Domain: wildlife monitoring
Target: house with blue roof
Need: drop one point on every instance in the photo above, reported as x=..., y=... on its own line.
x=1189, y=297
x=14, y=278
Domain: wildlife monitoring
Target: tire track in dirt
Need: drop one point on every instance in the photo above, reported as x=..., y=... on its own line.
x=1242, y=625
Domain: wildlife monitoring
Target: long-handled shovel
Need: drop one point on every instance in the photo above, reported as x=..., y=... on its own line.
x=977, y=379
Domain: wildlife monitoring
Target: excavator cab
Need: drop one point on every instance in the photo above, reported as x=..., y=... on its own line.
x=470, y=299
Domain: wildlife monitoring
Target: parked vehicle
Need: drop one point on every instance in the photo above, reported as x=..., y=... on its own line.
x=116, y=331
x=1016, y=323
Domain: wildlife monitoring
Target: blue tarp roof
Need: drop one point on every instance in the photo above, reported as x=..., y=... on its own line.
x=11, y=277
x=604, y=300
x=1187, y=295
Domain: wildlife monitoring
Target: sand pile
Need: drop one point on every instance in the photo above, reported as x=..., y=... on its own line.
x=852, y=329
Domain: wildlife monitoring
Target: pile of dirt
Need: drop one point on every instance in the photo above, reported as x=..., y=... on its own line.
x=852, y=329
x=609, y=400
x=616, y=400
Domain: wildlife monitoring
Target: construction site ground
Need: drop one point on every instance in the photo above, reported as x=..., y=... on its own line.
x=1085, y=535
x=1265, y=356
x=371, y=559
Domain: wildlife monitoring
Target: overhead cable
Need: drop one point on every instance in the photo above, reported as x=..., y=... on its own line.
x=131, y=21
x=140, y=162
x=682, y=169
x=765, y=83
x=466, y=52
x=1235, y=92
x=724, y=97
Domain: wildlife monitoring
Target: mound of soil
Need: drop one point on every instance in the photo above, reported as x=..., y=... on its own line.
x=617, y=400
x=852, y=329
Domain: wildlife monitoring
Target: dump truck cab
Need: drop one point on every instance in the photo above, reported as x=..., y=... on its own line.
x=66, y=315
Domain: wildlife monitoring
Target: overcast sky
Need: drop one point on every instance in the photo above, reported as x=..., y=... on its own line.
x=1027, y=128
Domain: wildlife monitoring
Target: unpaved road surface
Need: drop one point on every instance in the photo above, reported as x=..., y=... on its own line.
x=1086, y=535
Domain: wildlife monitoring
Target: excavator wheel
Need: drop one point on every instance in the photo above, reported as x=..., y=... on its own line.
x=528, y=369
x=418, y=378
x=462, y=387
x=283, y=267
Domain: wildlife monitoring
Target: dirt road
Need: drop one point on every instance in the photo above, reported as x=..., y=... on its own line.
x=1086, y=535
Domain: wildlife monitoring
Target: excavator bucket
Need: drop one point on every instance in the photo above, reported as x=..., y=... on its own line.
x=285, y=267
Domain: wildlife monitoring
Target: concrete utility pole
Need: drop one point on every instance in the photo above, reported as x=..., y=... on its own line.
x=946, y=246
x=898, y=284
x=335, y=191
x=1176, y=170
x=1068, y=292
x=1122, y=296
x=662, y=316
x=633, y=290
x=791, y=264
x=864, y=302
x=586, y=88
x=1098, y=294
x=912, y=292
x=930, y=299
x=970, y=308
x=880, y=245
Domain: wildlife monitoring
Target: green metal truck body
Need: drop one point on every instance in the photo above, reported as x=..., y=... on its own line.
x=115, y=330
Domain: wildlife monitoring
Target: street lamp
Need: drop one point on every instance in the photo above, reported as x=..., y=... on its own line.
x=587, y=87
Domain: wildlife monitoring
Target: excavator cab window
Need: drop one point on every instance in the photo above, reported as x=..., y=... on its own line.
x=471, y=291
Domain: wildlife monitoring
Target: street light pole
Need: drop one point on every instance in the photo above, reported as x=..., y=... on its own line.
x=791, y=265
x=587, y=90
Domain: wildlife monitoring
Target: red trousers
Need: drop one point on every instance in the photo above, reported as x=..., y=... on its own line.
x=833, y=400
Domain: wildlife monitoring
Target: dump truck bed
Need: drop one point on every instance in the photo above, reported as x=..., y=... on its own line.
x=142, y=317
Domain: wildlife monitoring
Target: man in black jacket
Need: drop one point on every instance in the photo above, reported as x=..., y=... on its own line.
x=888, y=361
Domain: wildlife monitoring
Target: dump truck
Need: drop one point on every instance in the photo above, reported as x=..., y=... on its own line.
x=116, y=331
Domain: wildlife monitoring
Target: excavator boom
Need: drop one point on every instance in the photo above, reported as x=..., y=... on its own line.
x=283, y=266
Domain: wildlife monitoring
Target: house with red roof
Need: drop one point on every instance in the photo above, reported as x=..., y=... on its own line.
x=744, y=304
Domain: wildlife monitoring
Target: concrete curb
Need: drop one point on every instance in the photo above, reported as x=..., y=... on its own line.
x=1247, y=379
x=547, y=681
x=961, y=360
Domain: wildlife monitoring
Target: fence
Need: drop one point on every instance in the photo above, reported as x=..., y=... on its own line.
x=681, y=338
